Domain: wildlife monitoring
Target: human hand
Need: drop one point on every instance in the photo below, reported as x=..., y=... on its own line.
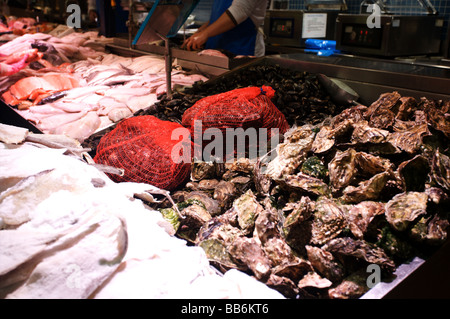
x=196, y=41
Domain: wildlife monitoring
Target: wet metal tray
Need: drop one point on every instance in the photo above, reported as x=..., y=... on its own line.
x=191, y=60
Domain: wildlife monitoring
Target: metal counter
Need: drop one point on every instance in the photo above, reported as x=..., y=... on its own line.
x=371, y=77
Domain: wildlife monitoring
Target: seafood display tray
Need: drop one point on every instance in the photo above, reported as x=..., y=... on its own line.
x=210, y=65
x=421, y=277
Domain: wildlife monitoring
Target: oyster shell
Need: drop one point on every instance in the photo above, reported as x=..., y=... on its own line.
x=278, y=251
x=329, y=221
x=407, y=107
x=225, y=192
x=404, y=208
x=366, y=190
x=440, y=170
x=395, y=246
x=354, y=113
x=314, y=167
x=353, y=286
x=195, y=215
x=242, y=165
x=414, y=173
x=438, y=119
x=431, y=230
x=218, y=229
x=307, y=183
x=361, y=250
x=364, y=133
x=207, y=184
x=217, y=253
x=361, y=215
x=323, y=141
x=369, y=165
x=201, y=170
x=325, y=263
x=386, y=101
x=211, y=205
x=382, y=118
x=342, y=169
x=294, y=270
x=297, y=225
x=284, y=285
x=247, y=209
x=312, y=279
x=249, y=252
x=410, y=140
x=292, y=152
x=266, y=226
x=437, y=196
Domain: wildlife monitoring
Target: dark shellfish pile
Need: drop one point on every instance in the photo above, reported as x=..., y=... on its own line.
x=298, y=95
x=367, y=187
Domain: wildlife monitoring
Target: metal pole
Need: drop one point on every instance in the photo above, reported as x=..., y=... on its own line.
x=168, y=60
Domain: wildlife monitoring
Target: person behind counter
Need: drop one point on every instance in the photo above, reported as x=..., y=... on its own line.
x=235, y=26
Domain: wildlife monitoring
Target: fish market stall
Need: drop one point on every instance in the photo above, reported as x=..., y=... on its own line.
x=341, y=194
x=333, y=208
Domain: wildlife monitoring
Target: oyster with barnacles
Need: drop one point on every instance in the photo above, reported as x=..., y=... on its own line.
x=405, y=208
x=329, y=221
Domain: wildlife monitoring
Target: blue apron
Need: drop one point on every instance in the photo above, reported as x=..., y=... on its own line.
x=240, y=40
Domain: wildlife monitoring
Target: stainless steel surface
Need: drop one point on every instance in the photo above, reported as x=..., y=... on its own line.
x=373, y=76
x=397, y=36
x=291, y=23
x=401, y=273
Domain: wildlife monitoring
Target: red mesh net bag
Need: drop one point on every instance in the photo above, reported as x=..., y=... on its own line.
x=143, y=147
x=244, y=108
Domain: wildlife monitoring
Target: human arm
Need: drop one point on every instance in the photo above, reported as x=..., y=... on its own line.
x=198, y=39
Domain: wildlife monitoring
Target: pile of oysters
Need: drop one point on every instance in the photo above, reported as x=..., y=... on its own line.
x=369, y=186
